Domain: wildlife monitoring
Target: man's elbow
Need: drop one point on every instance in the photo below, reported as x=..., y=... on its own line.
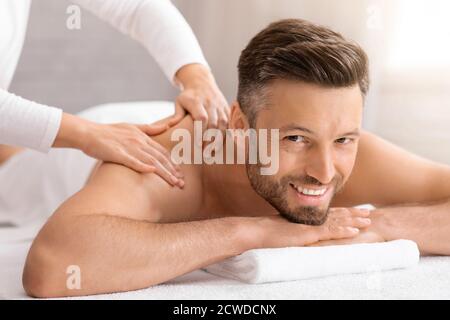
x=41, y=277
x=45, y=271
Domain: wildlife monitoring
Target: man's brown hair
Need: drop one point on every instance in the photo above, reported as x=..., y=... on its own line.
x=294, y=49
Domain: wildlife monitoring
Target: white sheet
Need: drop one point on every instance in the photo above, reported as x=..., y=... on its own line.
x=429, y=280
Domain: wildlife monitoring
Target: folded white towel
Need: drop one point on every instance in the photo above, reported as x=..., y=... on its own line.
x=295, y=263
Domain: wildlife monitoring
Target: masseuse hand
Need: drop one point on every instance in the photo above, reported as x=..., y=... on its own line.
x=122, y=143
x=201, y=97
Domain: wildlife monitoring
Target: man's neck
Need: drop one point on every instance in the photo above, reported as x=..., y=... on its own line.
x=232, y=188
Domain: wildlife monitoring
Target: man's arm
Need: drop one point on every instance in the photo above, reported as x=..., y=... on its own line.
x=426, y=224
x=112, y=230
x=385, y=174
x=412, y=196
x=117, y=254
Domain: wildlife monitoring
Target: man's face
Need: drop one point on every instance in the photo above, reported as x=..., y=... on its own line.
x=319, y=133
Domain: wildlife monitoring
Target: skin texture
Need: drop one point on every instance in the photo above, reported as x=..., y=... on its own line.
x=7, y=152
x=127, y=230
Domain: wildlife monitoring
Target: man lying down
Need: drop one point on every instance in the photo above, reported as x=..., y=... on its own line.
x=127, y=231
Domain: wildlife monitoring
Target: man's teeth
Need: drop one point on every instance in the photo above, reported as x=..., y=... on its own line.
x=310, y=192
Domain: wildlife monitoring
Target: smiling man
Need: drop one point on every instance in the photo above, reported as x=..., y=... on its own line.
x=126, y=230
x=319, y=131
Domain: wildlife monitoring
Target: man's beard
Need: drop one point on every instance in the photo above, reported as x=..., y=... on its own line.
x=276, y=194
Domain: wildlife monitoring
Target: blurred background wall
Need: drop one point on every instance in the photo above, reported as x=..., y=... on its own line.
x=408, y=42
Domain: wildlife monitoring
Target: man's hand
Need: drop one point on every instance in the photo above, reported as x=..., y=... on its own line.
x=122, y=143
x=201, y=97
x=370, y=234
x=277, y=232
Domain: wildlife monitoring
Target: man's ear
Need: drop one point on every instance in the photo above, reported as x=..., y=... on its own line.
x=238, y=120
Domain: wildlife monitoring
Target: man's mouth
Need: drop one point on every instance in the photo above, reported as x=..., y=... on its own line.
x=310, y=196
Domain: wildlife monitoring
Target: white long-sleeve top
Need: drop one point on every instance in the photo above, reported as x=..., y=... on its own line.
x=156, y=24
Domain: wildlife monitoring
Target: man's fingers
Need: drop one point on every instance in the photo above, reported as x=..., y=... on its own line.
x=311, y=234
x=360, y=212
x=356, y=222
x=331, y=232
x=345, y=217
x=331, y=243
x=361, y=222
x=349, y=212
x=355, y=212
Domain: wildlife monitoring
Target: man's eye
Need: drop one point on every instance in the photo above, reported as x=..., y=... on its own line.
x=344, y=140
x=295, y=138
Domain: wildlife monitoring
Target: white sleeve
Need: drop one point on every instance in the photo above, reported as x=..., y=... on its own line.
x=27, y=124
x=157, y=24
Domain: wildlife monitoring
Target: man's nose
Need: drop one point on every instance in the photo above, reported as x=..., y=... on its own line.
x=320, y=165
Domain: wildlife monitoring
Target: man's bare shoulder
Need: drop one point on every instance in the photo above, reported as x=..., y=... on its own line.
x=386, y=174
x=117, y=190
x=165, y=139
